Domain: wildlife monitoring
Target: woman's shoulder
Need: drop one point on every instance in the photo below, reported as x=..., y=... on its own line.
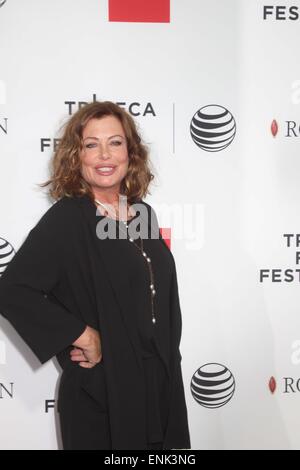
x=144, y=205
x=62, y=213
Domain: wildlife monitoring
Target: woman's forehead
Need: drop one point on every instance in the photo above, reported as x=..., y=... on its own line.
x=106, y=126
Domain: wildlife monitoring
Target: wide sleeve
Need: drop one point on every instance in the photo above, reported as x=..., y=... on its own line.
x=45, y=326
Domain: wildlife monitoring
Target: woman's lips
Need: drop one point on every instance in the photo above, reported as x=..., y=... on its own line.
x=105, y=171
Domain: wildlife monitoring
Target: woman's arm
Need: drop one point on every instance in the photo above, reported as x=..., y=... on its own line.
x=46, y=327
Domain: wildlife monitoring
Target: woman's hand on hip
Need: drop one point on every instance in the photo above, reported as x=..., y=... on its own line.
x=87, y=351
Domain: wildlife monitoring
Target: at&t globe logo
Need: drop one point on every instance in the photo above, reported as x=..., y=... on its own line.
x=6, y=254
x=213, y=385
x=213, y=128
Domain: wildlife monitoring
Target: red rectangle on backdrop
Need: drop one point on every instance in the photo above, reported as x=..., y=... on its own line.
x=143, y=11
x=166, y=234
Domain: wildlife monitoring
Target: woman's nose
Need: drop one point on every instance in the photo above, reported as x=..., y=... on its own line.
x=103, y=151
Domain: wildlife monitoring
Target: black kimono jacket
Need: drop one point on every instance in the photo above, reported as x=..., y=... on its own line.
x=62, y=279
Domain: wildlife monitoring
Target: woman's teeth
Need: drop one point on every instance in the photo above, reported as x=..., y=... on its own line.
x=106, y=170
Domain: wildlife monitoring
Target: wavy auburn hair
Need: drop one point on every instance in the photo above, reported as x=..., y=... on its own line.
x=66, y=179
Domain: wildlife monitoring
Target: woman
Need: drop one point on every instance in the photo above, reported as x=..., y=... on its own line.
x=106, y=306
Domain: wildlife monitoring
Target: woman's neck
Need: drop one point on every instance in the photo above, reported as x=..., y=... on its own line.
x=112, y=198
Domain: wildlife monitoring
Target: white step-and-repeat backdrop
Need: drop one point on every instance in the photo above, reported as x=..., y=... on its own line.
x=215, y=89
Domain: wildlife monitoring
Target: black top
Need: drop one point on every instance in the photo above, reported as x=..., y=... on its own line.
x=63, y=278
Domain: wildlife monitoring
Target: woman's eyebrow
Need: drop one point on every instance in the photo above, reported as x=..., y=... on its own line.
x=97, y=138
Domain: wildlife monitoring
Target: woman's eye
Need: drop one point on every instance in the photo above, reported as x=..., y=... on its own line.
x=89, y=146
x=116, y=142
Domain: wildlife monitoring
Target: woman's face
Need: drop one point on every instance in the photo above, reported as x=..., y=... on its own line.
x=104, y=155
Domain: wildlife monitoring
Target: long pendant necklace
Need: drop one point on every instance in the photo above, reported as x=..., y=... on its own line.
x=147, y=258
